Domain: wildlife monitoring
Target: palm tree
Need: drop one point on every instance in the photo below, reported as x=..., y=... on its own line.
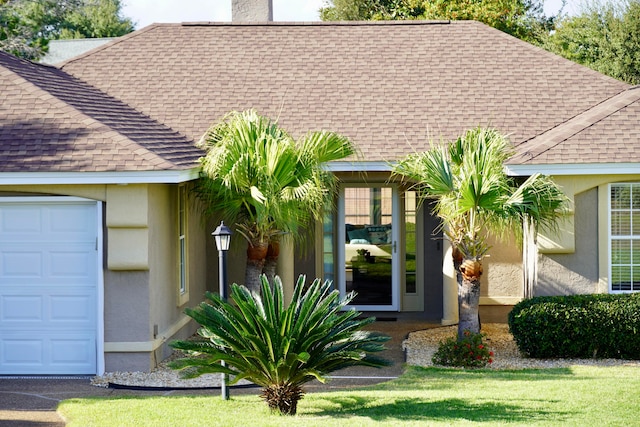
x=276, y=347
x=258, y=177
x=475, y=199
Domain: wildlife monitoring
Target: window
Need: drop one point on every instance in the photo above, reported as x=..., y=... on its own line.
x=624, y=240
x=327, y=247
x=182, y=238
x=410, y=215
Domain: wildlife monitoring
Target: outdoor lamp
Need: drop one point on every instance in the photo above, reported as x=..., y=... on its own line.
x=222, y=234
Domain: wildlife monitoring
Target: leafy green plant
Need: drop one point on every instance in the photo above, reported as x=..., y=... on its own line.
x=585, y=326
x=470, y=352
x=279, y=348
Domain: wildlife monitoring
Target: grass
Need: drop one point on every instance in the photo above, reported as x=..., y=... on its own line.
x=576, y=396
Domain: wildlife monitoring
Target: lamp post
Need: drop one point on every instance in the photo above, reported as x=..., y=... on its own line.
x=222, y=235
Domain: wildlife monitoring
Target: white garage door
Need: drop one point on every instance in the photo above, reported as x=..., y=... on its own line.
x=48, y=286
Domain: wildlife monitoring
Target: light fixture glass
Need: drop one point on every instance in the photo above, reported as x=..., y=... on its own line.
x=222, y=234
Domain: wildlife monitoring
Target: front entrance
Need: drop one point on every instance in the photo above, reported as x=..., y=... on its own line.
x=368, y=259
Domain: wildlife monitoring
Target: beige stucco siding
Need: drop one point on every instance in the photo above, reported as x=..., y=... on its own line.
x=575, y=261
x=502, y=277
x=167, y=305
x=575, y=272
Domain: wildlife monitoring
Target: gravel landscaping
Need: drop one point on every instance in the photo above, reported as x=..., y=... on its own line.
x=419, y=348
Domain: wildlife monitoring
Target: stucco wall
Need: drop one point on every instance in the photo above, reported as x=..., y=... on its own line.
x=577, y=272
x=502, y=275
x=167, y=308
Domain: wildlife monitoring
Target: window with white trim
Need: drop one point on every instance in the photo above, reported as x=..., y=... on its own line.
x=624, y=237
x=182, y=237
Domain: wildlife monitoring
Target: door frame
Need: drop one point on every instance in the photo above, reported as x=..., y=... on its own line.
x=395, y=256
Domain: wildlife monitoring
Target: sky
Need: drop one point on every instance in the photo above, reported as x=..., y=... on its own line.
x=145, y=12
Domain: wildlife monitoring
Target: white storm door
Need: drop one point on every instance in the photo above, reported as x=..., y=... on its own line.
x=368, y=260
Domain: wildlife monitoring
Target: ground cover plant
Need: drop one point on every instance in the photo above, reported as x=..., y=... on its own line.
x=470, y=352
x=576, y=396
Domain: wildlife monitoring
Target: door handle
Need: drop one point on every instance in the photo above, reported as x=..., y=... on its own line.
x=395, y=248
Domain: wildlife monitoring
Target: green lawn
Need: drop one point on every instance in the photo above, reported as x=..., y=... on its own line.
x=577, y=396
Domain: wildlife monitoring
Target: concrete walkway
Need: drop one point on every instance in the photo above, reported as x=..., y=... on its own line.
x=31, y=402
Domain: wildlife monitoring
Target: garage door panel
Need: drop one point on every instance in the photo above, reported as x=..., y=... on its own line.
x=20, y=351
x=17, y=309
x=19, y=221
x=56, y=354
x=21, y=264
x=70, y=220
x=46, y=309
x=72, y=309
x=55, y=223
x=48, y=287
x=69, y=264
x=77, y=263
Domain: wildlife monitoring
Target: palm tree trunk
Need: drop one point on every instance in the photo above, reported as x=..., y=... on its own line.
x=470, y=271
x=271, y=261
x=256, y=253
x=468, y=307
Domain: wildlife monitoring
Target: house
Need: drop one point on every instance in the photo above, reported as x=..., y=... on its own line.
x=389, y=86
x=93, y=221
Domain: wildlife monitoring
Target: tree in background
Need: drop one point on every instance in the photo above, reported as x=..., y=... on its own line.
x=26, y=26
x=521, y=18
x=604, y=37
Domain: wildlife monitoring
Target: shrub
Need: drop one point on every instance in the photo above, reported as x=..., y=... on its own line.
x=470, y=352
x=276, y=347
x=581, y=326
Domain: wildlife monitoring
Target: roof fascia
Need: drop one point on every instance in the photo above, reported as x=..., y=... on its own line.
x=359, y=167
x=146, y=177
x=574, y=169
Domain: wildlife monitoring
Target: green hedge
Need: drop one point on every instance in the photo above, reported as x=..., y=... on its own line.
x=578, y=326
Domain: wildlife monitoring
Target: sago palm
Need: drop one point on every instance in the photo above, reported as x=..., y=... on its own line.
x=279, y=347
x=259, y=178
x=475, y=198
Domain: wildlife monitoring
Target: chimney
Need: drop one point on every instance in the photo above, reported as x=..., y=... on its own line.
x=251, y=10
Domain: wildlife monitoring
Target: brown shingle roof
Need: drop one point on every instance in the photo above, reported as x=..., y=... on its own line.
x=387, y=85
x=607, y=133
x=53, y=122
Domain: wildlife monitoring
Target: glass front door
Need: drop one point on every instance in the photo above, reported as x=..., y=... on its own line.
x=368, y=257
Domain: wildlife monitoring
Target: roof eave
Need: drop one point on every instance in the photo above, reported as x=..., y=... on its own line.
x=359, y=166
x=574, y=169
x=84, y=178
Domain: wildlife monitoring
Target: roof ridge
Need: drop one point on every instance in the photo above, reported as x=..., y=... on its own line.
x=307, y=23
x=551, y=138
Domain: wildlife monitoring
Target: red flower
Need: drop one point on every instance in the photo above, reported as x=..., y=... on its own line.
x=490, y=360
x=480, y=346
x=491, y=353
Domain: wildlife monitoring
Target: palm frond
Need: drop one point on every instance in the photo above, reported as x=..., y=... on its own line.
x=266, y=342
